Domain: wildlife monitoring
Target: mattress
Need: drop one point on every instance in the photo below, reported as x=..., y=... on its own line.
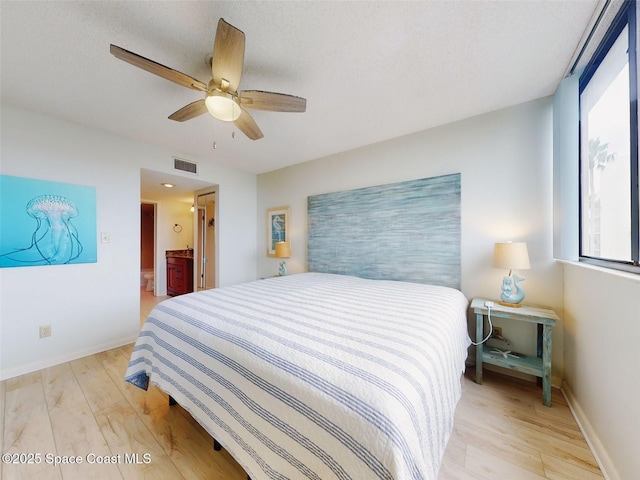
x=314, y=375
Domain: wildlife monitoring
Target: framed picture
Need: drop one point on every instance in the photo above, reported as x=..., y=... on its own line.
x=277, y=228
x=46, y=223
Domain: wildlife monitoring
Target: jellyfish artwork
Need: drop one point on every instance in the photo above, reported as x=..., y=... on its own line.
x=55, y=239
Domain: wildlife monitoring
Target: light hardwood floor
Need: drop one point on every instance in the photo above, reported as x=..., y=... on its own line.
x=501, y=429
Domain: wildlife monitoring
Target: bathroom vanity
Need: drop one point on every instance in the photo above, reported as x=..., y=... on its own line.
x=179, y=272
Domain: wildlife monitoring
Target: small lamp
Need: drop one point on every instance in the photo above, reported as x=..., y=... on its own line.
x=283, y=250
x=511, y=256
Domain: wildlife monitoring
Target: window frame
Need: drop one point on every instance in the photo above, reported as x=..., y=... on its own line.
x=627, y=16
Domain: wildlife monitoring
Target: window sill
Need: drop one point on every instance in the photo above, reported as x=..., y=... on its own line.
x=609, y=271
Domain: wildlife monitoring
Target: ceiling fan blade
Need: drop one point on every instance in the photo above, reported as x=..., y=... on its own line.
x=194, y=109
x=157, y=69
x=228, y=56
x=247, y=125
x=274, y=102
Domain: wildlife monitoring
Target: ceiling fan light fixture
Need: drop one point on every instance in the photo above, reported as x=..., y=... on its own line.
x=222, y=106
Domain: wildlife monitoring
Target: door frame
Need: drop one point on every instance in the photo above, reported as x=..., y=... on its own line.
x=198, y=235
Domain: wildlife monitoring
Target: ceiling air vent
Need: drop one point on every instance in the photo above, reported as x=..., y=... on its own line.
x=185, y=166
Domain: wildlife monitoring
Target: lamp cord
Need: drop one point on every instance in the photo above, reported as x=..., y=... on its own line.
x=490, y=329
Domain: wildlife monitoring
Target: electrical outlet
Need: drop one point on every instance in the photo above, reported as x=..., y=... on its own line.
x=45, y=331
x=496, y=332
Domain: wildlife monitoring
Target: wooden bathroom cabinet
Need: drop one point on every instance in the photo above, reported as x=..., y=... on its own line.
x=179, y=275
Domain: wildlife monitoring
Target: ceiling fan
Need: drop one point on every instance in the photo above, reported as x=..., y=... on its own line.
x=222, y=99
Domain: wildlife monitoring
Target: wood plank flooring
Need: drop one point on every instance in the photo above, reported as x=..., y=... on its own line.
x=84, y=408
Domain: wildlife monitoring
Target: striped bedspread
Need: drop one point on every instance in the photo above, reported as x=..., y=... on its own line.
x=314, y=376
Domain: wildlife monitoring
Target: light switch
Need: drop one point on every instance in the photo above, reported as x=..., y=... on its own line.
x=105, y=237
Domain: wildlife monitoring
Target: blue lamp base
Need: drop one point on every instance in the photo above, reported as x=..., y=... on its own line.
x=282, y=269
x=512, y=293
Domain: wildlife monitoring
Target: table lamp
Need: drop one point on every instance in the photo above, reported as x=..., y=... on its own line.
x=283, y=250
x=511, y=256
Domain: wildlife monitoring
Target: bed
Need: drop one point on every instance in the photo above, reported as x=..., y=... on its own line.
x=315, y=375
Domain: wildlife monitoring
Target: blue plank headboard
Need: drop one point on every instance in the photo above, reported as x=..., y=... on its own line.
x=407, y=231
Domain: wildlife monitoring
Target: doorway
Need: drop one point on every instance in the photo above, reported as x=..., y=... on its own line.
x=206, y=238
x=172, y=205
x=147, y=245
x=148, y=275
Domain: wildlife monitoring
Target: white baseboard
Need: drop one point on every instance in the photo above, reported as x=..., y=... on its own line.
x=602, y=457
x=51, y=362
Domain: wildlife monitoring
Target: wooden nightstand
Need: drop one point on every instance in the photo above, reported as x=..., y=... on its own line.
x=539, y=366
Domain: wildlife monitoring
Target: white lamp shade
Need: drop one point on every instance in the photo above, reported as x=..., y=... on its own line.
x=222, y=106
x=283, y=250
x=511, y=256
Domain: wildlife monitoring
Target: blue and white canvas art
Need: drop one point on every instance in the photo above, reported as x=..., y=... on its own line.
x=46, y=223
x=407, y=231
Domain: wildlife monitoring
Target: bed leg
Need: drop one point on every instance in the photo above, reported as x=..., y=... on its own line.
x=172, y=401
x=216, y=446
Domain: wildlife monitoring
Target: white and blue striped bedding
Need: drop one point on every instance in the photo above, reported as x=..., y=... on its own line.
x=314, y=376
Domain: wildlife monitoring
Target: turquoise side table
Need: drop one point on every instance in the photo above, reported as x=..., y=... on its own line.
x=540, y=366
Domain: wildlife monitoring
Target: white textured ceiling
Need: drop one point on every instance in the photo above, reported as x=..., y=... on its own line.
x=370, y=71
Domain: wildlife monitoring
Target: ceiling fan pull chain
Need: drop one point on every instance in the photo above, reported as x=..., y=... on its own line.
x=213, y=130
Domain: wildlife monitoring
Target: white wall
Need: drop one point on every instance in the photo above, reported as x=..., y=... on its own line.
x=505, y=158
x=96, y=306
x=602, y=357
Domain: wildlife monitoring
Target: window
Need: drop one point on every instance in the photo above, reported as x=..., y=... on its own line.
x=609, y=202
